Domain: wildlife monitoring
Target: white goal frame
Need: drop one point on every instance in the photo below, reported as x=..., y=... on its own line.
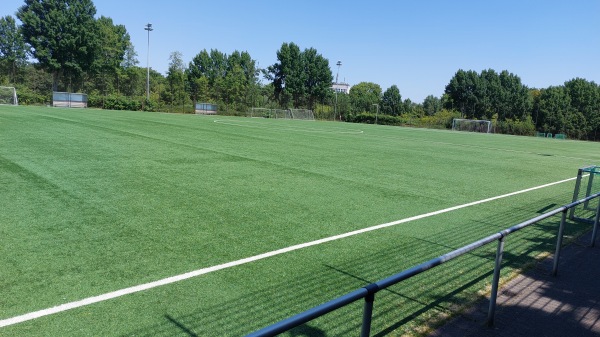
x=13, y=100
x=471, y=125
x=301, y=114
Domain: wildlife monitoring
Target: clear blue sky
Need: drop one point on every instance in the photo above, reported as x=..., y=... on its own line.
x=416, y=45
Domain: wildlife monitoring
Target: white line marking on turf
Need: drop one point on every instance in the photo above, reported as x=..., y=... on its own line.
x=181, y=277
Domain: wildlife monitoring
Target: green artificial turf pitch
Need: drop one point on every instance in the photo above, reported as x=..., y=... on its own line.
x=95, y=201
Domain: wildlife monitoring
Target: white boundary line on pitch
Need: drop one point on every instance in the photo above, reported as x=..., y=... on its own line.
x=181, y=277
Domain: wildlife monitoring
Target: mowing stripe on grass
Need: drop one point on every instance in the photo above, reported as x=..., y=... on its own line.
x=181, y=277
x=251, y=124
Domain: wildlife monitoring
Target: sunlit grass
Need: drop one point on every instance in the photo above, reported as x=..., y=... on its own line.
x=94, y=201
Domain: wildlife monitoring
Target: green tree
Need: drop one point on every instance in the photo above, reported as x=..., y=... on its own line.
x=585, y=99
x=201, y=91
x=432, y=105
x=288, y=76
x=462, y=93
x=13, y=51
x=300, y=78
x=554, y=109
x=487, y=94
x=114, y=43
x=246, y=63
x=130, y=77
x=175, y=93
x=318, y=77
x=211, y=65
x=197, y=74
x=515, y=101
x=490, y=94
x=364, y=95
x=235, y=88
x=232, y=80
x=391, y=102
x=62, y=34
x=241, y=80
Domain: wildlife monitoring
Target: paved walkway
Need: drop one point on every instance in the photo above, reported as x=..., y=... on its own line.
x=539, y=304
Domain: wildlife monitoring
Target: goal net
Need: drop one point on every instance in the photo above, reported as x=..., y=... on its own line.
x=302, y=114
x=8, y=95
x=471, y=125
x=259, y=113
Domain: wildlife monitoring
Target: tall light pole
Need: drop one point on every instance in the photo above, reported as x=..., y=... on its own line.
x=339, y=63
x=149, y=29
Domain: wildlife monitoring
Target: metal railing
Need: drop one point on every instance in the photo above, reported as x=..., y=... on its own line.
x=368, y=292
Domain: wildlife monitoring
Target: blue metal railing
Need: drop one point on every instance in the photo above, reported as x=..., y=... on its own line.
x=368, y=292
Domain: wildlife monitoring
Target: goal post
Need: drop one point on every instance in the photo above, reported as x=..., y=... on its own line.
x=471, y=125
x=259, y=113
x=8, y=96
x=302, y=114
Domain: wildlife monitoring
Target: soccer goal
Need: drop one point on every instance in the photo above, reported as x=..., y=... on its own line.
x=302, y=114
x=471, y=125
x=8, y=95
x=259, y=113
x=587, y=183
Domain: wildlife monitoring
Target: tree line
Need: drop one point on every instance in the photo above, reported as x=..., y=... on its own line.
x=60, y=45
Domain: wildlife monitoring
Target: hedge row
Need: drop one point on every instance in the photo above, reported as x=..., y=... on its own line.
x=443, y=120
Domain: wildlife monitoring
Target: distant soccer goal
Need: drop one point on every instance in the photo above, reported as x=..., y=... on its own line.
x=302, y=114
x=8, y=95
x=471, y=125
x=259, y=113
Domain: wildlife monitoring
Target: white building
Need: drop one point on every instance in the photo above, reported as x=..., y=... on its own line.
x=341, y=87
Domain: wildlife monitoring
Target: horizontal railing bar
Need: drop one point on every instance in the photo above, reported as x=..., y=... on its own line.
x=327, y=307
x=310, y=314
x=416, y=270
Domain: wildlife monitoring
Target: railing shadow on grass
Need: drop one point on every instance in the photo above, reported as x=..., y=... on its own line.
x=367, y=293
x=265, y=305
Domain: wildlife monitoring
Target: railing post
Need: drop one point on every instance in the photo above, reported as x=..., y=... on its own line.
x=588, y=191
x=576, y=192
x=596, y=220
x=559, y=238
x=367, y=315
x=495, y=282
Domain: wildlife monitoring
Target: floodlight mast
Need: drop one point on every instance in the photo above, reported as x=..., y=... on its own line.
x=149, y=29
x=339, y=63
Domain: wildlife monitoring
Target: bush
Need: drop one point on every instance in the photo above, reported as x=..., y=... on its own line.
x=441, y=120
x=27, y=96
x=515, y=127
x=113, y=102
